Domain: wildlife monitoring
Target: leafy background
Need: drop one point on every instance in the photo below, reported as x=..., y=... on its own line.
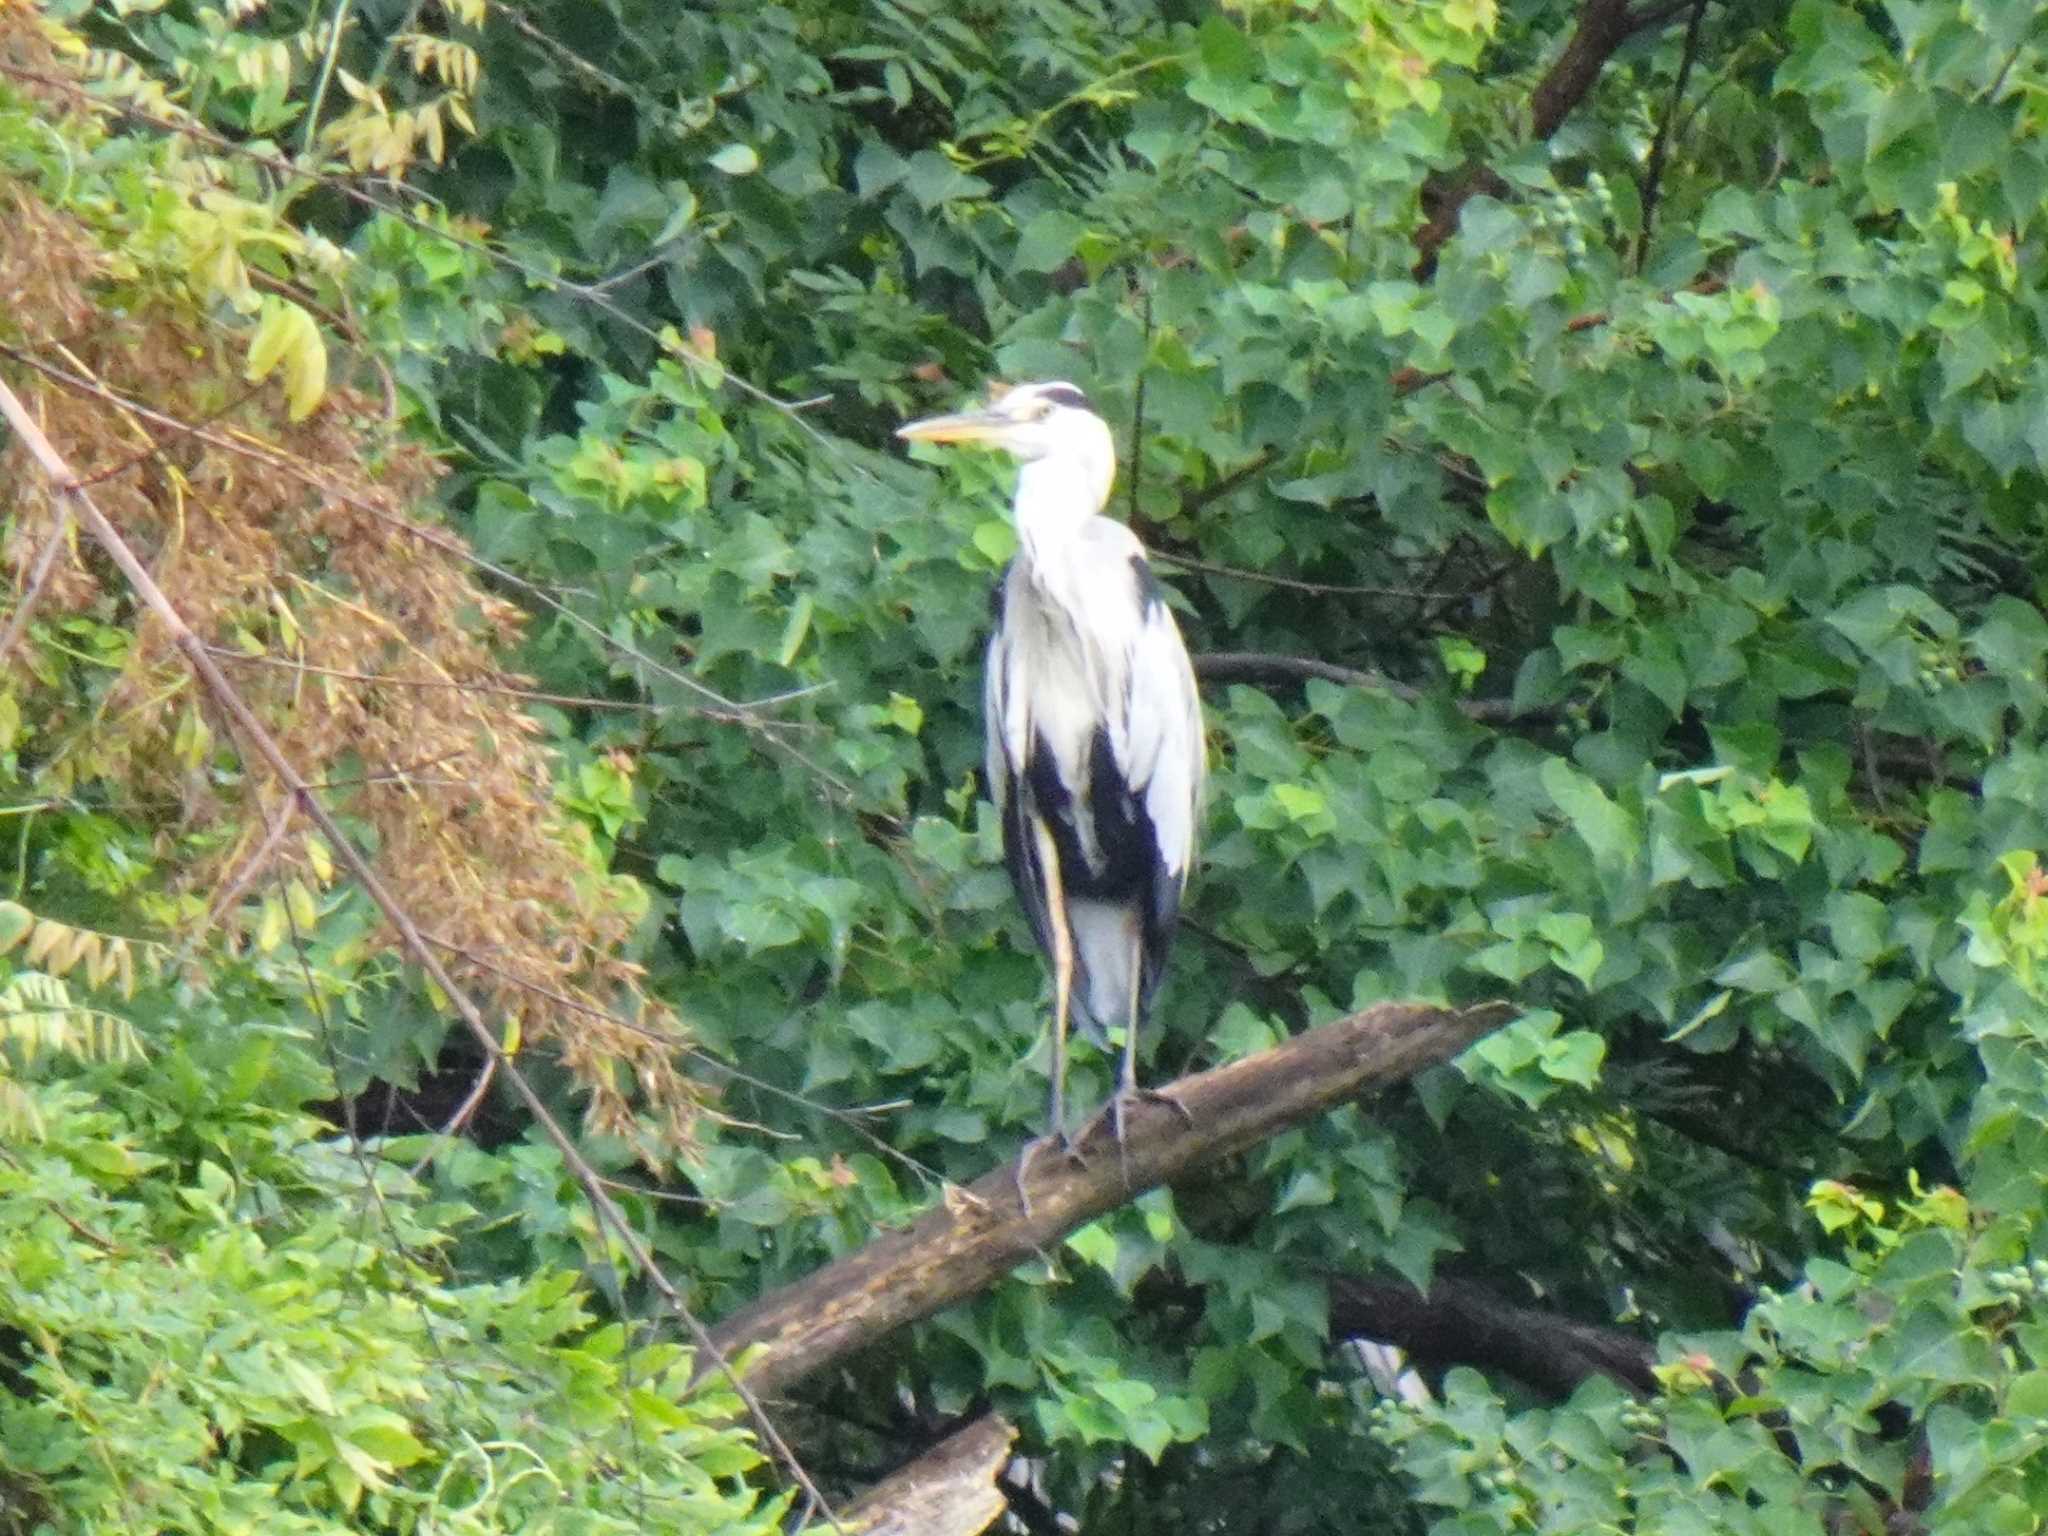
x=1635, y=414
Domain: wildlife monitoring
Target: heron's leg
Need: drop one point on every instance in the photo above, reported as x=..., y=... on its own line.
x=1127, y=1077
x=1129, y=1087
x=1062, y=1002
x=1062, y=971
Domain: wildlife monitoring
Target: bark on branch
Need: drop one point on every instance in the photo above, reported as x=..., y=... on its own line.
x=967, y=1244
x=1604, y=25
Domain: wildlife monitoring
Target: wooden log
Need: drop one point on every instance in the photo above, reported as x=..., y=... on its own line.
x=969, y=1241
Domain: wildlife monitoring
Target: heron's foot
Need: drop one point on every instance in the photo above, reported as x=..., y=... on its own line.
x=1070, y=1148
x=1117, y=1111
x=958, y=1198
x=1171, y=1100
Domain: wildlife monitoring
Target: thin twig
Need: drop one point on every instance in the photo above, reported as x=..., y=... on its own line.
x=157, y=445
x=316, y=1003
x=38, y=574
x=1409, y=381
x=326, y=76
x=1657, y=15
x=1194, y=501
x=929, y=1175
x=1253, y=667
x=251, y=866
x=454, y=1124
x=1291, y=583
x=524, y=26
x=259, y=740
x=79, y=1229
x=1653, y=170
x=1136, y=477
x=658, y=254
x=528, y=694
x=396, y=773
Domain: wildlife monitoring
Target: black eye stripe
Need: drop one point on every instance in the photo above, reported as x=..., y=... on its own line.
x=1063, y=394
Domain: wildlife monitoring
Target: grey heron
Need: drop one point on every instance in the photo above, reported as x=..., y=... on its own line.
x=1095, y=751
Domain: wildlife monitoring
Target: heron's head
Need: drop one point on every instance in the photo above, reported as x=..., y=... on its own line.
x=1033, y=421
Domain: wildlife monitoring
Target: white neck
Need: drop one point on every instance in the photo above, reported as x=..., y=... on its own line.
x=1057, y=495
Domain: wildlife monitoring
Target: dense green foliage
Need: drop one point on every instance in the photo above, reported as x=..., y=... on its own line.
x=213, y=1325
x=1697, y=507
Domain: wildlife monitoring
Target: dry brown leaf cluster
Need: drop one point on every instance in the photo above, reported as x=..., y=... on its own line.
x=291, y=547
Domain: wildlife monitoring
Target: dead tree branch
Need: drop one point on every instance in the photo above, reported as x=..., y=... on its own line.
x=949, y=1491
x=967, y=1244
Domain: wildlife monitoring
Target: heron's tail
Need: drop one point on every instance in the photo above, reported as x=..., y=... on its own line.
x=1106, y=977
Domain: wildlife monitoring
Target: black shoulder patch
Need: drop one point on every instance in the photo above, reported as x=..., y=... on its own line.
x=1149, y=595
x=1064, y=394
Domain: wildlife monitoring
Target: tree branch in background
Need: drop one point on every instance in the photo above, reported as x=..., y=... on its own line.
x=1260, y=671
x=1604, y=25
x=1462, y=1324
x=1252, y=667
x=974, y=1239
x=1193, y=501
x=1181, y=562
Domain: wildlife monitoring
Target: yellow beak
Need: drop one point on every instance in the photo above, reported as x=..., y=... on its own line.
x=963, y=427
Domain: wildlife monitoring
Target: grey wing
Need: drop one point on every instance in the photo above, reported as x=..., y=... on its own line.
x=1004, y=695
x=1000, y=772
x=1162, y=755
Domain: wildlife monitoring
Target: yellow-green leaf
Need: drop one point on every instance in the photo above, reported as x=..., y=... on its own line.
x=906, y=714
x=321, y=860
x=272, y=925
x=286, y=337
